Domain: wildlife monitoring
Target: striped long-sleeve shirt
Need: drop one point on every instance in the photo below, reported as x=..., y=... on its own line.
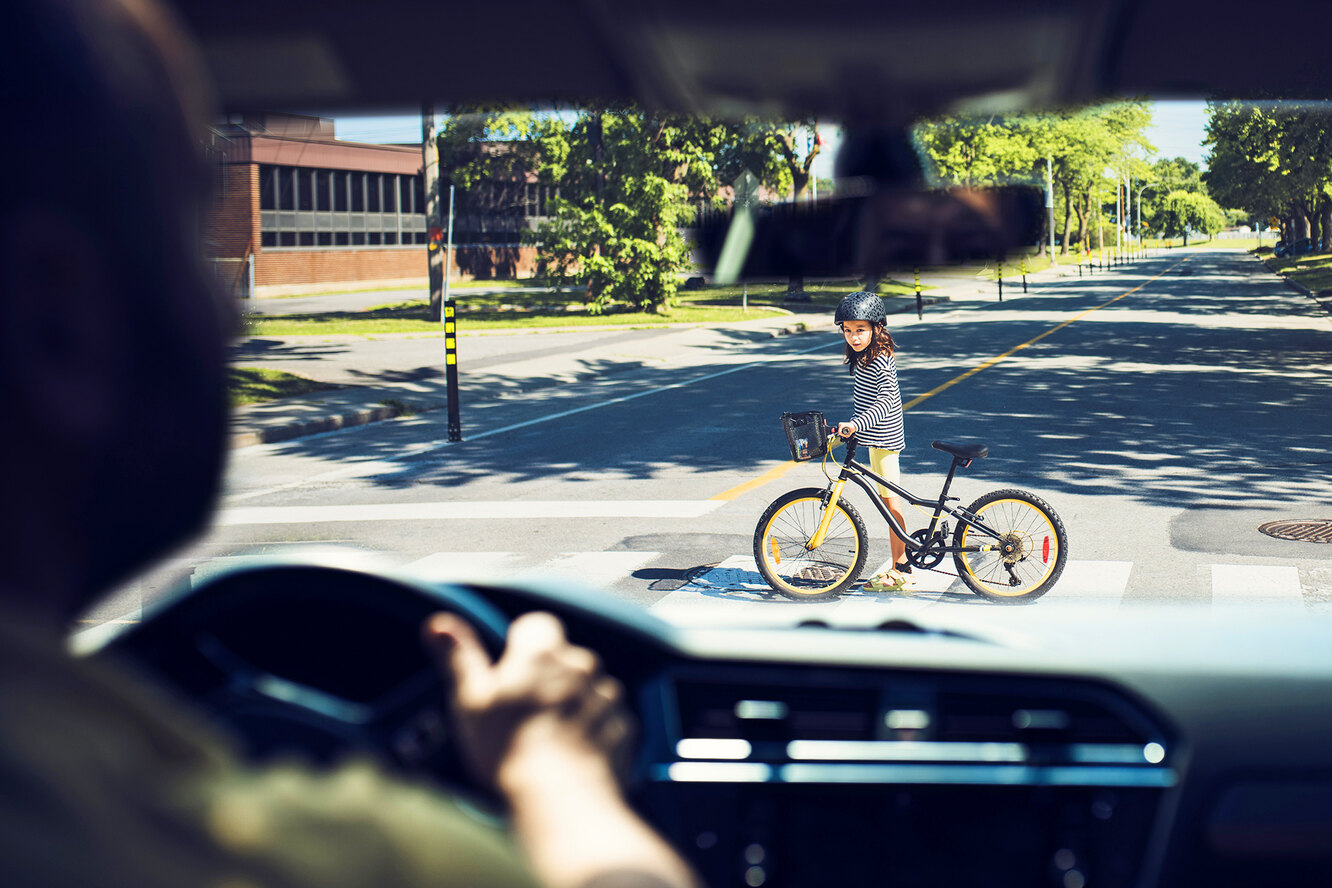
x=878, y=404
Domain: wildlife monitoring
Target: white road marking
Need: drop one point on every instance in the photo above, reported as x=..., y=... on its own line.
x=1089, y=584
x=598, y=568
x=1248, y=585
x=447, y=511
x=462, y=567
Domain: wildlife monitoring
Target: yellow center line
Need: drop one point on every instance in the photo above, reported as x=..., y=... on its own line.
x=1017, y=348
x=771, y=475
x=779, y=471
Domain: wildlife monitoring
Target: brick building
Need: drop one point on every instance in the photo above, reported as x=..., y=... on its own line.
x=298, y=210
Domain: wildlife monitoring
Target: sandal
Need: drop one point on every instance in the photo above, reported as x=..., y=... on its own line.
x=888, y=581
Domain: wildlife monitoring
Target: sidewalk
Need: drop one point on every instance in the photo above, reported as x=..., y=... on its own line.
x=403, y=389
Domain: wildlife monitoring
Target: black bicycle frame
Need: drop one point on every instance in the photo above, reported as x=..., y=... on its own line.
x=855, y=471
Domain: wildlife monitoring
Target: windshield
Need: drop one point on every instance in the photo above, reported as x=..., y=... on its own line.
x=582, y=392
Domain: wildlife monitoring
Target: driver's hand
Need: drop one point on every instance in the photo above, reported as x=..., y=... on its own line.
x=545, y=704
x=846, y=429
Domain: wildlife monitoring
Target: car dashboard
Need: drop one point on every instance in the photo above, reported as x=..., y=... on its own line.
x=1046, y=748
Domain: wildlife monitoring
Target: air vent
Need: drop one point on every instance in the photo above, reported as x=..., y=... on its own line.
x=977, y=717
x=757, y=713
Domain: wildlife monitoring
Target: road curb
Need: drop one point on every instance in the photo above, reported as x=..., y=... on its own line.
x=1322, y=297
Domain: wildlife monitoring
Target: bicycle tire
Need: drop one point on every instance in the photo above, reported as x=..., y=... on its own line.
x=809, y=574
x=1040, y=547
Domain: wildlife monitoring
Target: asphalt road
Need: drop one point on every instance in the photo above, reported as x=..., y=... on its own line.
x=1165, y=409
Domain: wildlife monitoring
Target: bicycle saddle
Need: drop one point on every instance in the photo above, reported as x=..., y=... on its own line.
x=962, y=450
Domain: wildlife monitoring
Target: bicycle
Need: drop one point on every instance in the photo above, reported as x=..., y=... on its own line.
x=1008, y=546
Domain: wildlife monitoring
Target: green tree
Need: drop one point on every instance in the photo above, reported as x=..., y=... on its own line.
x=976, y=153
x=1273, y=159
x=482, y=145
x=780, y=153
x=1080, y=145
x=1185, y=211
x=629, y=180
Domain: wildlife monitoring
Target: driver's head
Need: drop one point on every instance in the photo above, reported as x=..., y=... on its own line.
x=111, y=334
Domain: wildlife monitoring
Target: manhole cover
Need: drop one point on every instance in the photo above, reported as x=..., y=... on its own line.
x=1303, y=530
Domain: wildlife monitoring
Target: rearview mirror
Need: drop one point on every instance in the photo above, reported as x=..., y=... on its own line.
x=872, y=232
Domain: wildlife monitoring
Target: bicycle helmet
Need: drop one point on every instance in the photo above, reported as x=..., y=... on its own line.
x=861, y=306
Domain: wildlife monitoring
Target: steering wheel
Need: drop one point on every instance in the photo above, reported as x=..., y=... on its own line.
x=321, y=661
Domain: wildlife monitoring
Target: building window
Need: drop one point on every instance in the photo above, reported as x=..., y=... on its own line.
x=341, y=190
x=286, y=188
x=323, y=190
x=308, y=207
x=406, y=195
x=372, y=181
x=267, y=187
x=305, y=190
x=358, y=192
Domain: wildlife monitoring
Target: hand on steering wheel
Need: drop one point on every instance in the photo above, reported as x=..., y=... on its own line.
x=544, y=704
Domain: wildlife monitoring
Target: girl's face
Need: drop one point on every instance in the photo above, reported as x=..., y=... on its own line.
x=858, y=334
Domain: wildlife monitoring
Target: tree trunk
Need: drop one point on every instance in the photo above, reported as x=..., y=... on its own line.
x=795, y=289
x=1083, y=210
x=1300, y=222
x=1325, y=214
x=1068, y=218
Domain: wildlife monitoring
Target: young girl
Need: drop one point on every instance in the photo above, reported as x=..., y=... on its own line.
x=877, y=422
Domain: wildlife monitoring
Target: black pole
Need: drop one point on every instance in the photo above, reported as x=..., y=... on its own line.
x=920, y=305
x=451, y=336
x=1001, y=277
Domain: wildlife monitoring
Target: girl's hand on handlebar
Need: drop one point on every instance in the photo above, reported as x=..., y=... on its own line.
x=846, y=429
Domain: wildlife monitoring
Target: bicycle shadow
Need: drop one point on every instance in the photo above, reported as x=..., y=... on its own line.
x=727, y=592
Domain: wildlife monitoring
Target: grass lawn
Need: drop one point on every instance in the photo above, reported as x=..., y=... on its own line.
x=516, y=310
x=1313, y=271
x=251, y=385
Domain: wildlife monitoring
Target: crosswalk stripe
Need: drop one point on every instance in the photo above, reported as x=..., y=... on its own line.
x=599, y=568
x=726, y=593
x=591, y=568
x=1248, y=585
x=465, y=566
x=1090, y=584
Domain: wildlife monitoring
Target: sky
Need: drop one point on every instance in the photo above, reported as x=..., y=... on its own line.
x=1176, y=131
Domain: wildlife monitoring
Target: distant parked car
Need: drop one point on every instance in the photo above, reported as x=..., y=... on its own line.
x=1281, y=250
x=1302, y=247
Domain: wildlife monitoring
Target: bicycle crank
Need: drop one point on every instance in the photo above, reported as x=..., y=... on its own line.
x=931, y=549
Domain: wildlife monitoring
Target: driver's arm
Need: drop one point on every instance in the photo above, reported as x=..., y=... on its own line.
x=546, y=727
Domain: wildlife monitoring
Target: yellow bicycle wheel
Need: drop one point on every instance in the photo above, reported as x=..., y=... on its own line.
x=1023, y=557
x=788, y=564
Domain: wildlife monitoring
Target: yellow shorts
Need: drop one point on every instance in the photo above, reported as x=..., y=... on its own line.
x=885, y=465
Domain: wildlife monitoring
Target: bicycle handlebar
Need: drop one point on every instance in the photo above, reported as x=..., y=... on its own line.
x=849, y=442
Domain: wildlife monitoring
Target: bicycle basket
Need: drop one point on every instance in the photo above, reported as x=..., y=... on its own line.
x=806, y=433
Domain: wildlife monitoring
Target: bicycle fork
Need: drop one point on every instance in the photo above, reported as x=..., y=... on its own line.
x=834, y=494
